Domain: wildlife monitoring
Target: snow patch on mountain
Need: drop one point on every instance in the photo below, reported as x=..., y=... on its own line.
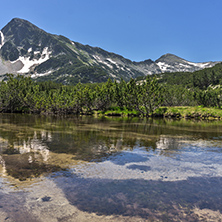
x=27, y=63
x=36, y=75
x=163, y=66
x=107, y=64
x=184, y=65
x=2, y=39
x=100, y=60
x=113, y=62
x=114, y=76
x=97, y=58
x=118, y=65
x=200, y=65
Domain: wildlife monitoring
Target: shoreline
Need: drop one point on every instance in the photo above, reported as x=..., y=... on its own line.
x=174, y=112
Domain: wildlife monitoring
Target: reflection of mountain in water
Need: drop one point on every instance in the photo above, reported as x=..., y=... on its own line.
x=32, y=156
x=30, y=142
x=37, y=146
x=168, y=143
x=27, y=158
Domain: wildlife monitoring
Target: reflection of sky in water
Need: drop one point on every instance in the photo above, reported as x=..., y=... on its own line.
x=153, y=168
x=173, y=159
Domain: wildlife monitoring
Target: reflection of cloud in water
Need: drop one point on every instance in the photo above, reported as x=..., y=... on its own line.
x=126, y=157
x=209, y=145
x=137, y=164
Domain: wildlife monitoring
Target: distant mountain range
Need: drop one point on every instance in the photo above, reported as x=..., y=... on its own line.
x=29, y=50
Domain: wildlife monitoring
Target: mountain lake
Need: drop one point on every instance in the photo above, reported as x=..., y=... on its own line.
x=109, y=169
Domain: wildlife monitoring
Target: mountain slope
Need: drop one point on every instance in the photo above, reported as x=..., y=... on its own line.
x=26, y=49
x=172, y=63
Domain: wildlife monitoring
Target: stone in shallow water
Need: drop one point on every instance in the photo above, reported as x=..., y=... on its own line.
x=45, y=199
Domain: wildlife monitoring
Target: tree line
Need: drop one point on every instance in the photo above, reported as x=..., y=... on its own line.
x=201, y=88
x=22, y=94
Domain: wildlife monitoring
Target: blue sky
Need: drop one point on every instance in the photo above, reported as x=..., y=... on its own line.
x=135, y=29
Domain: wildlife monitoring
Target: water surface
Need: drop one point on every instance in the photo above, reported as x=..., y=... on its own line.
x=109, y=169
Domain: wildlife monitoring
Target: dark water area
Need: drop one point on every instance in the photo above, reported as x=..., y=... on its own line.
x=109, y=169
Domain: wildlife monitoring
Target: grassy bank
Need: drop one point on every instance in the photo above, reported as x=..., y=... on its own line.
x=190, y=112
x=117, y=111
x=197, y=112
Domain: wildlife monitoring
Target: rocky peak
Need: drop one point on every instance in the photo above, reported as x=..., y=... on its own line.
x=22, y=38
x=170, y=58
x=18, y=29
